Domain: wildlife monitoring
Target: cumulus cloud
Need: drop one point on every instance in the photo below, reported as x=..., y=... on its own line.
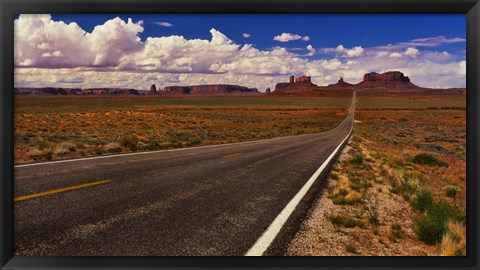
x=246, y=35
x=340, y=48
x=353, y=52
x=38, y=38
x=395, y=55
x=114, y=39
x=412, y=52
x=164, y=24
x=286, y=37
x=311, y=50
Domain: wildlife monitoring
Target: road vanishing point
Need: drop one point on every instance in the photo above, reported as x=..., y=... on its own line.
x=229, y=200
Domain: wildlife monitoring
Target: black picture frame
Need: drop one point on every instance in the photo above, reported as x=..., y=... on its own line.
x=9, y=8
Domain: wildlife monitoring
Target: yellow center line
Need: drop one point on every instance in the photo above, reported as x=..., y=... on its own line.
x=232, y=155
x=31, y=196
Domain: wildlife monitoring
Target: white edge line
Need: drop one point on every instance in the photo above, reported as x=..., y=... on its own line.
x=262, y=244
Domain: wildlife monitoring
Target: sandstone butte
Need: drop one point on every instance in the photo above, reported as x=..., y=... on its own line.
x=391, y=79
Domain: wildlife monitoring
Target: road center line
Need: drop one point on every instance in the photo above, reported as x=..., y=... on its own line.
x=31, y=196
x=232, y=155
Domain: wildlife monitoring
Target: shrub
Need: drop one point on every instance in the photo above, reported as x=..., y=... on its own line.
x=432, y=226
x=403, y=119
x=396, y=232
x=422, y=201
x=346, y=197
x=351, y=249
x=430, y=229
x=346, y=221
x=451, y=191
x=372, y=213
x=429, y=160
x=357, y=160
x=129, y=142
x=407, y=185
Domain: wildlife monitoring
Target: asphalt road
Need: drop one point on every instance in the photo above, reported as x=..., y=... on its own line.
x=216, y=200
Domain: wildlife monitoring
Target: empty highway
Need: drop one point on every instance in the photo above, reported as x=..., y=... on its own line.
x=232, y=199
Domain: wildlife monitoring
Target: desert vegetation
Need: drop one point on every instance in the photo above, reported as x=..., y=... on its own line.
x=399, y=186
x=50, y=128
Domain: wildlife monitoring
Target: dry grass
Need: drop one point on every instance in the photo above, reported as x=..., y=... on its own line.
x=454, y=241
x=48, y=128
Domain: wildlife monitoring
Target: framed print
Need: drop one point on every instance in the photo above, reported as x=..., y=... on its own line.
x=175, y=134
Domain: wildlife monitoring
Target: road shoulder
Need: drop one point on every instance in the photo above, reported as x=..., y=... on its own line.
x=369, y=223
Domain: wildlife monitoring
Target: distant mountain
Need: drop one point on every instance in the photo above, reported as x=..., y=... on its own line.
x=207, y=89
x=109, y=91
x=211, y=89
x=74, y=91
x=47, y=91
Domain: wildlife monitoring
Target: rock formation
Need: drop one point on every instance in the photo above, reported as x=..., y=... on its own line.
x=390, y=79
x=303, y=86
x=387, y=76
x=208, y=89
x=304, y=79
x=341, y=83
x=268, y=91
x=153, y=90
x=279, y=86
x=299, y=82
x=177, y=90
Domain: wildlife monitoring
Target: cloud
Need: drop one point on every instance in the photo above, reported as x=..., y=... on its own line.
x=164, y=24
x=421, y=42
x=353, y=52
x=311, y=50
x=395, y=55
x=286, y=37
x=55, y=53
x=412, y=52
x=113, y=40
x=246, y=35
x=38, y=39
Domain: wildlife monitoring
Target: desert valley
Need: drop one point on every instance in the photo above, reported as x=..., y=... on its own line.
x=397, y=188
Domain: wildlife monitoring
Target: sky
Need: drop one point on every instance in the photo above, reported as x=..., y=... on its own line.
x=138, y=50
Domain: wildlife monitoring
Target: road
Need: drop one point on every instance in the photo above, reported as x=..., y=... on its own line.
x=232, y=199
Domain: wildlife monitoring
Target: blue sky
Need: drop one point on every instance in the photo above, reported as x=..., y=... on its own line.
x=241, y=48
x=324, y=30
